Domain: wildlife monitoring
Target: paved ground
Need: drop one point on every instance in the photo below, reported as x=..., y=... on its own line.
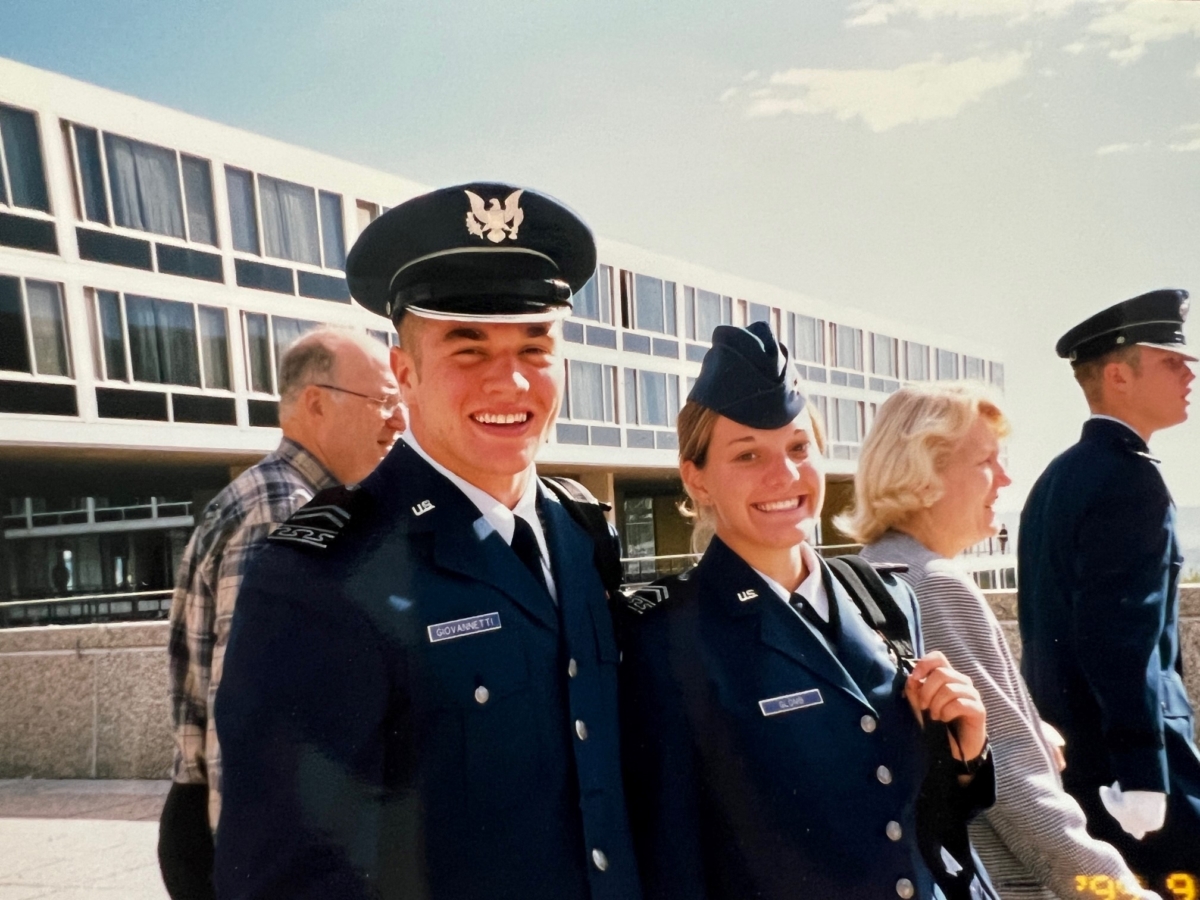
x=80, y=840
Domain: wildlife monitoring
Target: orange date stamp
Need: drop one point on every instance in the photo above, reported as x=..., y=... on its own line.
x=1177, y=886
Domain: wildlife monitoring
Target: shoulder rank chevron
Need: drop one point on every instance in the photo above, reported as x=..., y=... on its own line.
x=317, y=523
x=643, y=600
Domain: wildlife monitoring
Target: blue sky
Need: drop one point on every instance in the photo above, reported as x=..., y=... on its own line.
x=999, y=168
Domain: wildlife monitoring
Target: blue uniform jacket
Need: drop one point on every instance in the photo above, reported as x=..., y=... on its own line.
x=397, y=715
x=816, y=798
x=1099, y=567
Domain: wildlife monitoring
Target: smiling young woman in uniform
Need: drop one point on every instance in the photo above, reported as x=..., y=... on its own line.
x=773, y=747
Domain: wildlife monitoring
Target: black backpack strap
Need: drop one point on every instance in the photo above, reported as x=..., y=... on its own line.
x=867, y=589
x=942, y=815
x=588, y=513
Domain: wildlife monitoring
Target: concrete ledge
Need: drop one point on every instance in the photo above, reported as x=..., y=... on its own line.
x=85, y=701
x=90, y=701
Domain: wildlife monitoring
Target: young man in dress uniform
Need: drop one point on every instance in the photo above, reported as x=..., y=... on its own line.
x=419, y=698
x=1099, y=567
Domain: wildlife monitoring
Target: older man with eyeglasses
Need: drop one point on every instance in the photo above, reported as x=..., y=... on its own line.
x=340, y=413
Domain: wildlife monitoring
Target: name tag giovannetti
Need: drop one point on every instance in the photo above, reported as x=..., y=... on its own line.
x=448, y=631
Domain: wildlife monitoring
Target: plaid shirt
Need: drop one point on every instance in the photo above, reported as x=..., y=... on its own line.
x=234, y=526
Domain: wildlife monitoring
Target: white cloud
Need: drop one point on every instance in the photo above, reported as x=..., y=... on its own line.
x=1185, y=146
x=878, y=12
x=1129, y=29
x=885, y=98
x=1110, y=149
x=727, y=95
x=1075, y=48
x=1196, y=74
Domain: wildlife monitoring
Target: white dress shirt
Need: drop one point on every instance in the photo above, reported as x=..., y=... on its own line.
x=811, y=589
x=498, y=517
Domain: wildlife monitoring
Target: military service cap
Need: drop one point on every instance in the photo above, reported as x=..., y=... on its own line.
x=745, y=376
x=1151, y=320
x=482, y=251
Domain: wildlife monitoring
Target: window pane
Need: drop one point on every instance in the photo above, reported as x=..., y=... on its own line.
x=631, y=396
x=332, y=236
x=289, y=220
x=46, y=328
x=689, y=312
x=286, y=333
x=162, y=341
x=587, y=301
x=757, y=312
x=589, y=399
x=112, y=335
x=144, y=181
x=848, y=422
x=23, y=153
x=973, y=368
x=947, y=364
x=14, y=353
x=639, y=526
x=848, y=347
x=917, y=360
x=242, y=220
x=197, y=187
x=214, y=344
x=652, y=398
x=809, y=346
x=648, y=295
x=95, y=207
x=259, y=351
x=998, y=375
x=884, y=355
x=604, y=285
x=708, y=314
x=669, y=307
x=672, y=399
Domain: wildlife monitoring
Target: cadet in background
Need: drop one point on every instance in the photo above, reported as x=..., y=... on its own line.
x=420, y=692
x=1099, y=567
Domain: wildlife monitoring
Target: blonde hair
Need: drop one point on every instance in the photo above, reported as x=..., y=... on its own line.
x=913, y=435
x=694, y=425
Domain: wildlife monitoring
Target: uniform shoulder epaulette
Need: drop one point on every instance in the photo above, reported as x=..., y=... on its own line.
x=319, y=522
x=652, y=597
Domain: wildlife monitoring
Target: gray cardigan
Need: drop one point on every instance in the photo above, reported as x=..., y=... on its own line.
x=1033, y=842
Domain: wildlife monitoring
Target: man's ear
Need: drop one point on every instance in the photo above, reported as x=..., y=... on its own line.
x=312, y=402
x=1118, y=377
x=693, y=479
x=404, y=367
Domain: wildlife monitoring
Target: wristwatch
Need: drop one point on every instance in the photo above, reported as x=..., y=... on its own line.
x=971, y=766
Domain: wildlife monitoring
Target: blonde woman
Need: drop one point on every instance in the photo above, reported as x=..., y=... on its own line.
x=928, y=479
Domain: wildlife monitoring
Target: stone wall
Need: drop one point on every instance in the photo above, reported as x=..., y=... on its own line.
x=84, y=701
x=90, y=701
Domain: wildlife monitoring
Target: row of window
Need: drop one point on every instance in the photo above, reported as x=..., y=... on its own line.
x=146, y=340
x=650, y=304
x=121, y=182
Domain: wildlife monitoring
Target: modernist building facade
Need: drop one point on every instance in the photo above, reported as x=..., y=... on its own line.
x=154, y=266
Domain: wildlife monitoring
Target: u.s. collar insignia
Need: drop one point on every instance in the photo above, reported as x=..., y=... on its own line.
x=487, y=219
x=745, y=596
x=421, y=508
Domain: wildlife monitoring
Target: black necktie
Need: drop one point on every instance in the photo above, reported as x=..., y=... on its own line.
x=802, y=606
x=525, y=545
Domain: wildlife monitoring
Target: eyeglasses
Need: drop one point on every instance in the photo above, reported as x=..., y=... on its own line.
x=387, y=405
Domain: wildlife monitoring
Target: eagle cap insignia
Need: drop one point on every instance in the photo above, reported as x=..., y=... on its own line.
x=488, y=219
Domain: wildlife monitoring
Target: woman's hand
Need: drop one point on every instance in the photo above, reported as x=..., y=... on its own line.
x=947, y=695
